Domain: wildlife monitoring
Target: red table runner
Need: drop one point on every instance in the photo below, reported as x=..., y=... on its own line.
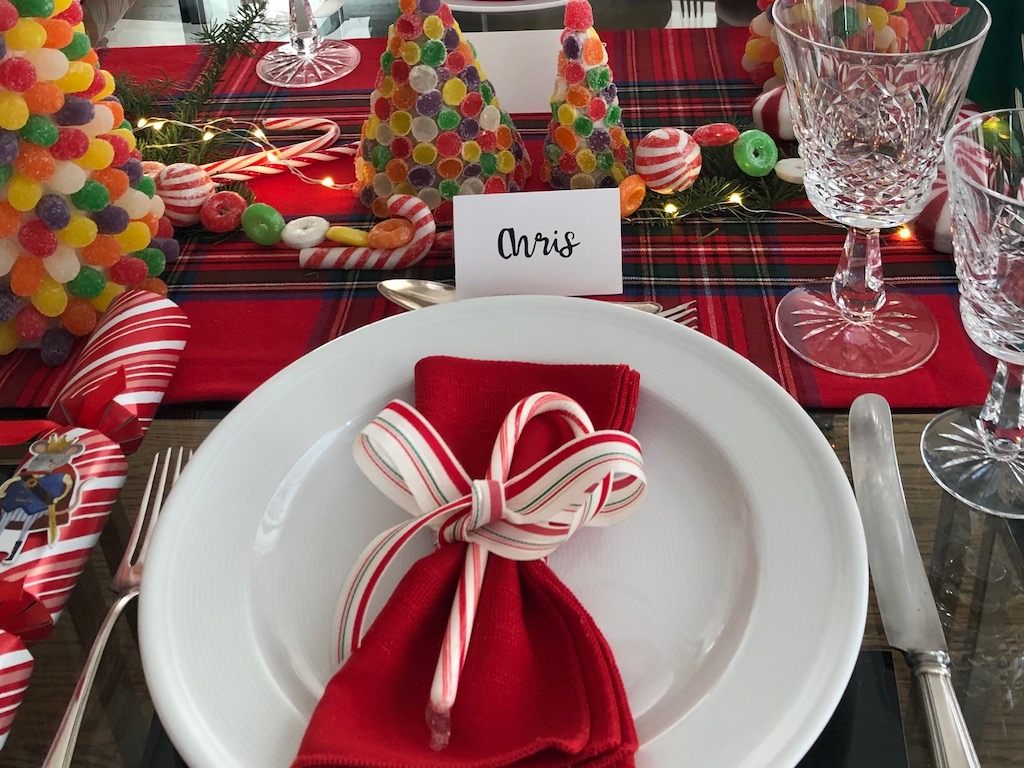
x=253, y=311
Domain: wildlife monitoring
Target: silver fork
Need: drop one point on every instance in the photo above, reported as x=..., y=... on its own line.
x=684, y=313
x=126, y=582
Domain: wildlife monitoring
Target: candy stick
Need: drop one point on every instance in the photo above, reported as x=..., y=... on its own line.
x=363, y=257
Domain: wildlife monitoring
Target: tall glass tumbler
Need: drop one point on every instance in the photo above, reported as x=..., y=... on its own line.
x=307, y=59
x=977, y=454
x=870, y=124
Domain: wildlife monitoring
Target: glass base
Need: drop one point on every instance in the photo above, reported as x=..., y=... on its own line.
x=955, y=455
x=287, y=68
x=899, y=338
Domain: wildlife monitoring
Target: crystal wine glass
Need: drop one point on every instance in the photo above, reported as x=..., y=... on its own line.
x=870, y=126
x=977, y=454
x=307, y=59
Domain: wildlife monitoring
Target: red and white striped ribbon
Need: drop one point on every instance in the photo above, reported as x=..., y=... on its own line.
x=363, y=257
x=268, y=162
x=596, y=479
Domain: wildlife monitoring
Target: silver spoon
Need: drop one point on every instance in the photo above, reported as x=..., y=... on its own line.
x=416, y=294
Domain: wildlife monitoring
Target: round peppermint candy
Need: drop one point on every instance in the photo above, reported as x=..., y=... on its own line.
x=668, y=160
x=184, y=188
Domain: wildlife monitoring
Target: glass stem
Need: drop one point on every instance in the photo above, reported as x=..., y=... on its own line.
x=305, y=35
x=1001, y=423
x=857, y=287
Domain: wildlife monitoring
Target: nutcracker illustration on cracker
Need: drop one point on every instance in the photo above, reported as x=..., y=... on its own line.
x=40, y=494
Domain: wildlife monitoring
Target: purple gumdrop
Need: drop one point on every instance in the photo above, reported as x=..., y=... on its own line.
x=607, y=182
x=451, y=38
x=421, y=176
x=55, y=346
x=472, y=169
x=513, y=187
x=364, y=149
x=8, y=147
x=168, y=246
x=367, y=196
x=430, y=6
x=53, y=211
x=517, y=150
x=471, y=77
x=571, y=47
x=3, y=47
x=9, y=304
x=429, y=103
x=76, y=111
x=443, y=76
x=112, y=220
x=559, y=178
x=610, y=92
x=599, y=140
x=133, y=168
x=468, y=129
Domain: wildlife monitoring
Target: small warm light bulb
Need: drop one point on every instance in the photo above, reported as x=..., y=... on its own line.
x=157, y=125
x=670, y=208
x=327, y=181
x=904, y=233
x=207, y=135
x=142, y=122
x=258, y=133
x=272, y=156
x=736, y=198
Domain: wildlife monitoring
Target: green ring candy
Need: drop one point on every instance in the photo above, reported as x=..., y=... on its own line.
x=262, y=224
x=755, y=153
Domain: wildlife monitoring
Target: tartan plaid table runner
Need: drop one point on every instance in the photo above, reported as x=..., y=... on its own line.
x=253, y=311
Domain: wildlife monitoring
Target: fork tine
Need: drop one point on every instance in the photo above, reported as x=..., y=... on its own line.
x=160, y=498
x=679, y=312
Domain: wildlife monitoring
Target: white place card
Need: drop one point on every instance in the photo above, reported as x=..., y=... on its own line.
x=565, y=243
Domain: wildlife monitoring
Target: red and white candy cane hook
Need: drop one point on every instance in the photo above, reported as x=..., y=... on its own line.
x=597, y=478
x=364, y=257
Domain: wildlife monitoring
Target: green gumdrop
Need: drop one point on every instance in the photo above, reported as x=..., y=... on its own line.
x=486, y=92
x=448, y=188
x=433, y=53
x=605, y=160
x=380, y=156
x=613, y=115
x=39, y=8
x=147, y=185
x=78, y=47
x=126, y=124
x=39, y=130
x=386, y=60
x=489, y=163
x=5, y=173
x=583, y=126
x=599, y=78
x=93, y=196
x=154, y=259
x=552, y=152
x=447, y=119
x=506, y=119
x=262, y=224
x=88, y=284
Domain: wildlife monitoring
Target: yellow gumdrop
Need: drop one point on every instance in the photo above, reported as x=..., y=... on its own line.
x=79, y=232
x=108, y=294
x=424, y=153
x=433, y=27
x=25, y=35
x=23, y=193
x=77, y=78
x=59, y=6
x=50, y=298
x=135, y=237
x=98, y=156
x=411, y=53
x=348, y=236
x=506, y=161
x=125, y=134
x=566, y=114
x=900, y=5
x=108, y=86
x=586, y=160
x=619, y=172
x=387, y=87
x=13, y=111
x=470, y=151
x=453, y=92
x=8, y=337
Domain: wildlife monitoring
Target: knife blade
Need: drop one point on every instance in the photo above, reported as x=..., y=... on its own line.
x=904, y=597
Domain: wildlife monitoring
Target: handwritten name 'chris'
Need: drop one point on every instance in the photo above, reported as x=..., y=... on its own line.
x=510, y=244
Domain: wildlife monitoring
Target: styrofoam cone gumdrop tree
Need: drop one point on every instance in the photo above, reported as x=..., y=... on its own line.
x=435, y=128
x=585, y=146
x=77, y=215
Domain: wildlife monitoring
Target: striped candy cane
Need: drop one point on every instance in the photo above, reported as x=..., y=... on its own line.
x=597, y=478
x=363, y=257
x=265, y=163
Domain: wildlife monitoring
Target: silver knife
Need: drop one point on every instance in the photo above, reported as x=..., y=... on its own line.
x=901, y=586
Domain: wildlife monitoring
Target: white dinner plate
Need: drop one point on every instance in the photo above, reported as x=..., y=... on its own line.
x=734, y=600
x=504, y=6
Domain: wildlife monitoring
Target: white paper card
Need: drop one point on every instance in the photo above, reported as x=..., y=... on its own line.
x=522, y=79
x=565, y=243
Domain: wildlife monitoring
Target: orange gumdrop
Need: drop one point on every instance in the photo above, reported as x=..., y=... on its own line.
x=78, y=317
x=152, y=221
x=116, y=110
x=631, y=194
x=154, y=285
x=577, y=95
x=565, y=138
x=899, y=25
x=503, y=137
x=91, y=58
x=58, y=32
x=380, y=207
x=593, y=51
x=10, y=219
x=116, y=181
x=26, y=275
x=561, y=64
x=43, y=98
x=391, y=233
x=34, y=162
x=104, y=251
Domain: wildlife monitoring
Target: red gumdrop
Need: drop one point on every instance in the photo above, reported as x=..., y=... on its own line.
x=17, y=74
x=8, y=15
x=71, y=144
x=494, y=185
x=164, y=228
x=579, y=15
x=99, y=82
x=37, y=238
x=762, y=73
x=31, y=324
x=72, y=14
x=120, y=146
x=444, y=214
x=136, y=154
x=129, y=270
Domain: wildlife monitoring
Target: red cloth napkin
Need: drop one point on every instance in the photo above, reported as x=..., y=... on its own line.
x=540, y=688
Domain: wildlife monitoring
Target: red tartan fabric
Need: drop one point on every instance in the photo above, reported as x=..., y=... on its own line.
x=239, y=295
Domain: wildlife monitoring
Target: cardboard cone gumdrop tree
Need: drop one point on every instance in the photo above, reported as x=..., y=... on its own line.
x=435, y=129
x=76, y=213
x=585, y=146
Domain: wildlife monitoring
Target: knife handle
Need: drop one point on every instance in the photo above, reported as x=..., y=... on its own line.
x=951, y=742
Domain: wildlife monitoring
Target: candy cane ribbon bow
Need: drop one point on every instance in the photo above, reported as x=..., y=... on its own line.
x=597, y=478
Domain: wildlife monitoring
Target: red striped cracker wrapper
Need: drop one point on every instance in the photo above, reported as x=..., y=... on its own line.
x=122, y=373
x=21, y=618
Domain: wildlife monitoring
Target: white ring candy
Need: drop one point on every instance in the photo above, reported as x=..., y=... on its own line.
x=305, y=232
x=790, y=169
